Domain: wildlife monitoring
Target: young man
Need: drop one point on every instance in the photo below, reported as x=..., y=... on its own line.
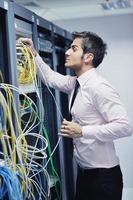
x=98, y=117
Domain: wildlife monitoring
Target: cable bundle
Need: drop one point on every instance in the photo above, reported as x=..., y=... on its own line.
x=32, y=151
x=10, y=184
x=25, y=64
x=27, y=168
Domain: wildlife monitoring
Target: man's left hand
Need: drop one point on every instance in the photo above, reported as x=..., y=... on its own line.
x=70, y=129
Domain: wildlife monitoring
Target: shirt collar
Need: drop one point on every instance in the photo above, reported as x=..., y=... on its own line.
x=82, y=79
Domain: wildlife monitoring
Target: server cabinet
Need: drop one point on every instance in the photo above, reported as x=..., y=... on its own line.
x=3, y=65
x=61, y=44
x=50, y=41
x=4, y=74
x=8, y=76
x=7, y=59
x=45, y=49
x=25, y=27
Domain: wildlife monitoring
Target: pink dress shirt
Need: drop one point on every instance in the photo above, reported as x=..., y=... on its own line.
x=98, y=109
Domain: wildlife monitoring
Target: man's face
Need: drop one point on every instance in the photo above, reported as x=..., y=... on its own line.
x=74, y=55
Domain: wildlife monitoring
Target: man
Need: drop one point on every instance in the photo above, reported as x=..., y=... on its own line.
x=98, y=117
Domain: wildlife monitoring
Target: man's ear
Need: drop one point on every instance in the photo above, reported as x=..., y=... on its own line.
x=88, y=57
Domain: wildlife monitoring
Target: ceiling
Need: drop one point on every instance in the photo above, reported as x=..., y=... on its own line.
x=55, y=10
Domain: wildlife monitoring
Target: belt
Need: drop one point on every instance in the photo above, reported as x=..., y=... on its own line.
x=98, y=170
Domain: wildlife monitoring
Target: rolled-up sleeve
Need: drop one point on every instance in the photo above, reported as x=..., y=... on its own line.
x=109, y=106
x=54, y=79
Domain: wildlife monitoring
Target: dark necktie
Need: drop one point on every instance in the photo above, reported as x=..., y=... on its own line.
x=74, y=96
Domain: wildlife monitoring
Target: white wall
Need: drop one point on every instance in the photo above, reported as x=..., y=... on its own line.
x=117, y=67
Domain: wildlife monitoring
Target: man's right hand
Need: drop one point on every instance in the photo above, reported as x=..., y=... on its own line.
x=29, y=43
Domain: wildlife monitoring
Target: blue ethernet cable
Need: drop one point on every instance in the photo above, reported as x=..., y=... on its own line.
x=10, y=184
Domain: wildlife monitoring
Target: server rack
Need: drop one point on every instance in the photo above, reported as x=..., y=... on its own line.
x=3, y=63
x=6, y=56
x=7, y=62
x=50, y=41
x=56, y=32
x=62, y=40
x=42, y=39
x=45, y=48
x=3, y=46
x=25, y=27
x=7, y=59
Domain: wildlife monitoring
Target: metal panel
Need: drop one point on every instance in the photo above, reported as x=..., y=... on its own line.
x=43, y=23
x=23, y=13
x=4, y=73
x=42, y=30
x=11, y=54
x=59, y=31
x=23, y=28
x=4, y=4
x=59, y=120
x=68, y=36
x=67, y=142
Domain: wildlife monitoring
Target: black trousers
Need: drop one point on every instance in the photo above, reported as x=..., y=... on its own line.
x=99, y=184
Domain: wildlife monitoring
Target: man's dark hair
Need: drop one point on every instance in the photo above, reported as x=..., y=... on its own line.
x=92, y=43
